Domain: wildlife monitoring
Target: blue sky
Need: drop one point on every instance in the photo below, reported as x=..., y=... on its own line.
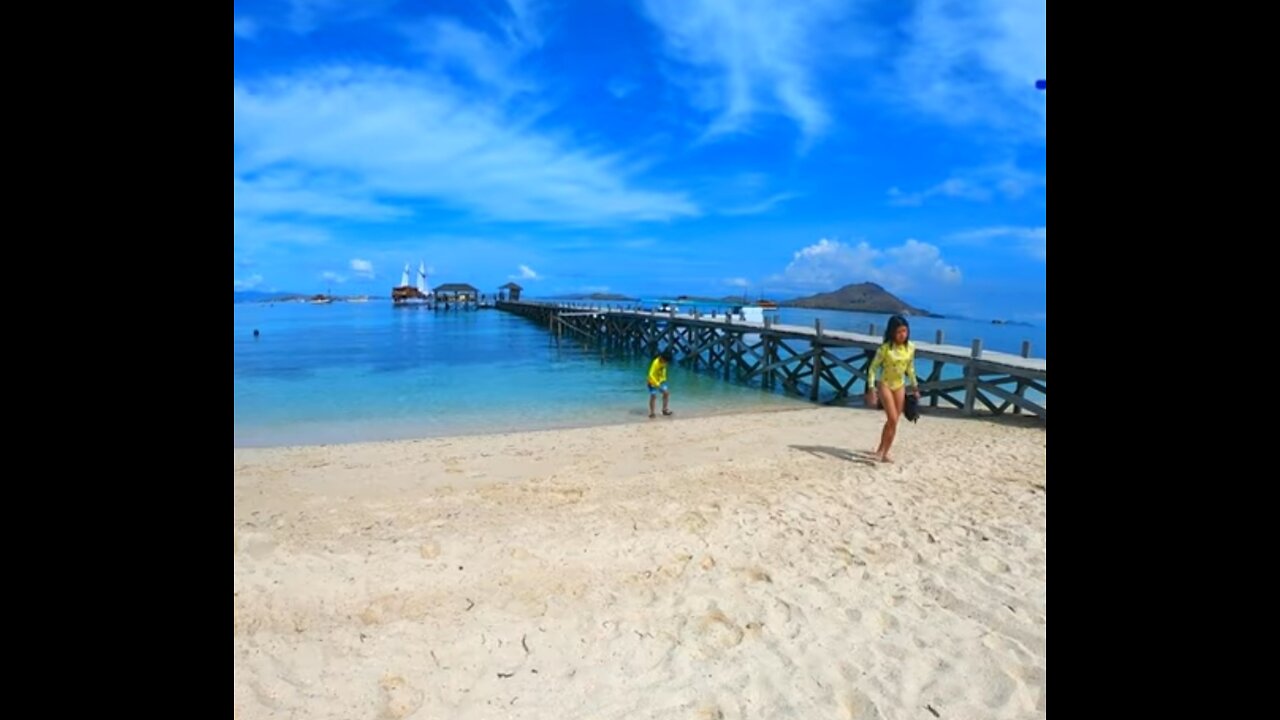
x=645, y=147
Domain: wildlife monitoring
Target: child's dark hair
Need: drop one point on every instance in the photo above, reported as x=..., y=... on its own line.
x=667, y=355
x=896, y=322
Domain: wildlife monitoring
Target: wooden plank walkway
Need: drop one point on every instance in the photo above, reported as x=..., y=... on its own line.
x=749, y=352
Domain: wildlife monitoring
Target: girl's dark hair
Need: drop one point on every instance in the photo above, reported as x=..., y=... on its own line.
x=668, y=355
x=896, y=322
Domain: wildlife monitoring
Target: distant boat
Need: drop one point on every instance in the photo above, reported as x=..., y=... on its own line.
x=406, y=294
x=754, y=312
x=359, y=299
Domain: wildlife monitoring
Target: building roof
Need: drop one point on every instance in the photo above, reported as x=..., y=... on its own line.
x=456, y=287
x=510, y=286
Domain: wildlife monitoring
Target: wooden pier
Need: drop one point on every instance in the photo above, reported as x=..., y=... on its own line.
x=822, y=365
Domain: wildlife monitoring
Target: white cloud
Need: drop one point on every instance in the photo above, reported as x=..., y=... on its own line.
x=976, y=62
x=330, y=276
x=248, y=283
x=362, y=268
x=526, y=273
x=737, y=282
x=829, y=264
x=979, y=184
x=1031, y=240
x=246, y=28
x=920, y=261
x=376, y=133
x=753, y=56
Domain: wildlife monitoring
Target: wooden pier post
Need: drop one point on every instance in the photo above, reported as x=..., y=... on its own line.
x=815, y=364
x=971, y=376
x=1022, y=387
x=935, y=374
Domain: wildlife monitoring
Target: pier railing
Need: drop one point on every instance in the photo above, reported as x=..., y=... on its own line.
x=826, y=366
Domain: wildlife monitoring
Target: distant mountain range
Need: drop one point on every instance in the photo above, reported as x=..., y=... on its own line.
x=859, y=297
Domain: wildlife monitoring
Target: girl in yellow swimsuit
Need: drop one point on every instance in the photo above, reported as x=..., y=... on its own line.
x=897, y=357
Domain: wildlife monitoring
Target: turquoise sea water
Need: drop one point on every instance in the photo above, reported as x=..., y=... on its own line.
x=348, y=372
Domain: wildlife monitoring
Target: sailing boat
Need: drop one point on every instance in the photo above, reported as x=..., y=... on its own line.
x=406, y=294
x=422, y=280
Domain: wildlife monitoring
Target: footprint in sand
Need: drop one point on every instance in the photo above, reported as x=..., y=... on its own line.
x=755, y=574
x=709, y=712
x=402, y=699
x=430, y=550
x=855, y=705
x=693, y=521
x=258, y=545
x=879, y=622
x=718, y=632
x=993, y=565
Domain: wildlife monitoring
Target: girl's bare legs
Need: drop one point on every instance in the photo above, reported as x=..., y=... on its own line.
x=892, y=401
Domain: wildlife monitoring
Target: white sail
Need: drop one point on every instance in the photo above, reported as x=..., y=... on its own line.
x=422, y=278
x=404, y=279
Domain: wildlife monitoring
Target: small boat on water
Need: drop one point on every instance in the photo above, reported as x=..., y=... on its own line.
x=406, y=294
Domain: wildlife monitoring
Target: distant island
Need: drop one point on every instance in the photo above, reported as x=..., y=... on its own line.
x=257, y=296
x=603, y=297
x=859, y=297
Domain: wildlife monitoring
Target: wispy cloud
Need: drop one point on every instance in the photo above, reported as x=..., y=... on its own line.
x=330, y=276
x=526, y=273
x=829, y=264
x=752, y=57
x=246, y=28
x=452, y=47
x=951, y=187
x=306, y=16
x=248, y=283
x=738, y=282
x=977, y=184
x=639, y=243
x=362, y=268
x=252, y=233
x=394, y=134
x=1031, y=240
x=316, y=193
x=523, y=24
x=976, y=62
x=761, y=207
x=620, y=87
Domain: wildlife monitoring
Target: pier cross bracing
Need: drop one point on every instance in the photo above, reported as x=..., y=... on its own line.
x=825, y=366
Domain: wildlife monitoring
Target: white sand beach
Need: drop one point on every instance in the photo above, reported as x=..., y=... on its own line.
x=740, y=566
